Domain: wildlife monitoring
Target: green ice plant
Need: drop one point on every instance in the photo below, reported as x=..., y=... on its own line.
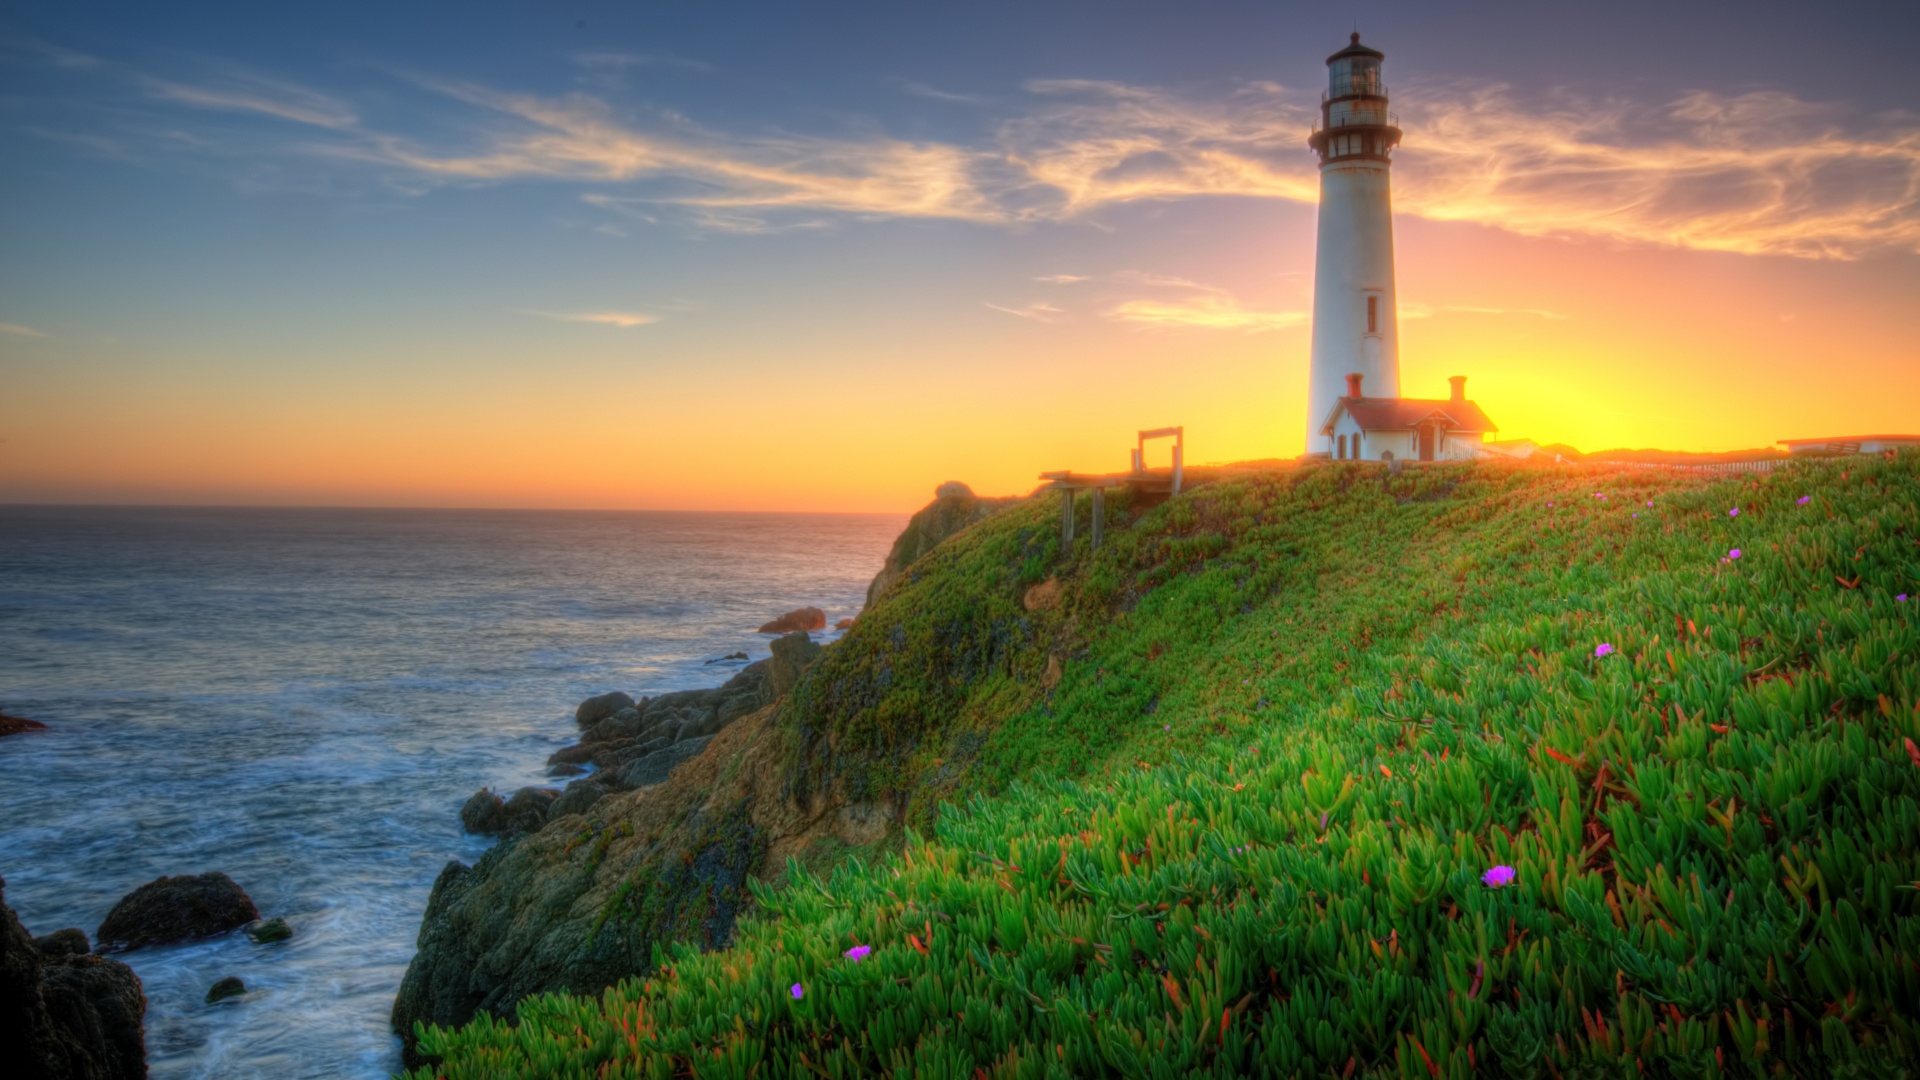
x=1455, y=773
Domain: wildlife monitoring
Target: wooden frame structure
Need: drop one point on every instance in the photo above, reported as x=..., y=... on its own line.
x=1139, y=478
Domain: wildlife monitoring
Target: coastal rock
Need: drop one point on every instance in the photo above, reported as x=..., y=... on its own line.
x=177, y=908
x=268, y=931
x=624, y=724
x=729, y=656
x=565, y=770
x=791, y=655
x=843, y=624
x=579, y=797
x=653, y=768
x=806, y=618
x=578, y=754
x=69, y=942
x=231, y=986
x=78, y=1016
x=526, y=811
x=484, y=814
x=15, y=725
x=595, y=709
x=954, y=508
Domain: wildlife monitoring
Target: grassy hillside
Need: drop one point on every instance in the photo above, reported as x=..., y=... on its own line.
x=1235, y=785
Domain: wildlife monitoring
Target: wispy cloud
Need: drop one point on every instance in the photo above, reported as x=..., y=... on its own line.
x=256, y=95
x=1415, y=310
x=1062, y=279
x=1182, y=303
x=1757, y=173
x=18, y=330
x=622, y=319
x=1039, y=311
x=918, y=89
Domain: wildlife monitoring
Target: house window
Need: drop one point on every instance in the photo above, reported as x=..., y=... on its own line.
x=1373, y=314
x=1343, y=447
x=1355, y=446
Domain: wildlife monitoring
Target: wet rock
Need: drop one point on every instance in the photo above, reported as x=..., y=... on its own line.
x=67, y=1015
x=177, y=908
x=653, y=768
x=806, y=618
x=485, y=814
x=69, y=942
x=565, y=770
x=231, y=986
x=624, y=724
x=577, y=754
x=595, y=709
x=843, y=624
x=791, y=655
x=15, y=725
x=527, y=810
x=729, y=656
x=268, y=931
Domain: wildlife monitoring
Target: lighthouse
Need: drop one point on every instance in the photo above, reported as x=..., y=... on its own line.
x=1355, y=331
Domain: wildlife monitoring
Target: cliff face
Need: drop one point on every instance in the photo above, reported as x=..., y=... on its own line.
x=67, y=1015
x=584, y=901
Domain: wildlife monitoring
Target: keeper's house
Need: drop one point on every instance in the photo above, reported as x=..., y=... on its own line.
x=1849, y=444
x=1405, y=429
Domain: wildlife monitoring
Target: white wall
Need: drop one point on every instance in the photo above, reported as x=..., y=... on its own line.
x=1353, y=257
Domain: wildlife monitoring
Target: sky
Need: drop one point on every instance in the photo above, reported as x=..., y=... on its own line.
x=826, y=256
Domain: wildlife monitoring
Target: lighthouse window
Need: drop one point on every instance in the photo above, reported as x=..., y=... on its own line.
x=1373, y=314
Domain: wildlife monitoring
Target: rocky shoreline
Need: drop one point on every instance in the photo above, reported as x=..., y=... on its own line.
x=689, y=796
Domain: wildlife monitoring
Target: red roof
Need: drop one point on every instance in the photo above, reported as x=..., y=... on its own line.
x=1381, y=414
x=1854, y=438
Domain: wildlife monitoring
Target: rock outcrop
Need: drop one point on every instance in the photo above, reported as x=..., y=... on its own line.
x=654, y=846
x=954, y=507
x=15, y=725
x=806, y=618
x=65, y=1014
x=173, y=909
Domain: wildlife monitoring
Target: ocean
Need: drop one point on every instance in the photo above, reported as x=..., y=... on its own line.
x=302, y=698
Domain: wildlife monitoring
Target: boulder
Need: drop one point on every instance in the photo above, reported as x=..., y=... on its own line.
x=69, y=942
x=843, y=624
x=67, y=1015
x=527, y=809
x=595, y=709
x=231, y=986
x=178, y=908
x=726, y=658
x=624, y=724
x=653, y=768
x=268, y=931
x=484, y=814
x=791, y=655
x=578, y=798
x=578, y=754
x=565, y=770
x=806, y=618
x=14, y=725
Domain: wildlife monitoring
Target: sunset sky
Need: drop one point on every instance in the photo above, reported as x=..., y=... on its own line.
x=825, y=256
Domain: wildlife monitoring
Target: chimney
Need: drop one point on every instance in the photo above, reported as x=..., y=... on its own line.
x=1459, y=387
x=1353, y=385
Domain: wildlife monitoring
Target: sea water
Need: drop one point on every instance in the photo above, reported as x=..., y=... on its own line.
x=303, y=698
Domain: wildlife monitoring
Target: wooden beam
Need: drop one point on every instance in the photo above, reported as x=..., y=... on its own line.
x=1066, y=521
x=1099, y=516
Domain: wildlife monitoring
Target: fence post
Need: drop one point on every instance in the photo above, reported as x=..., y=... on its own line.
x=1099, y=516
x=1066, y=520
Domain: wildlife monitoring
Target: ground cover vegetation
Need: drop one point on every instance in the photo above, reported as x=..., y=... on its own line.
x=1577, y=771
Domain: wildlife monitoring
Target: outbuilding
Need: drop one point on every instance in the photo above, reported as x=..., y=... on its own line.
x=1361, y=428
x=1849, y=444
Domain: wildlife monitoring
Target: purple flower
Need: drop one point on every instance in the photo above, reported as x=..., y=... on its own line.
x=1902, y=598
x=1636, y=515
x=1166, y=727
x=1649, y=502
x=1498, y=877
x=1735, y=512
x=1734, y=554
x=1323, y=823
x=1602, y=649
x=858, y=953
x=797, y=992
x=1803, y=500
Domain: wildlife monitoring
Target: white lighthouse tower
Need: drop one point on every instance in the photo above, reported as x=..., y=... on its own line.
x=1355, y=331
